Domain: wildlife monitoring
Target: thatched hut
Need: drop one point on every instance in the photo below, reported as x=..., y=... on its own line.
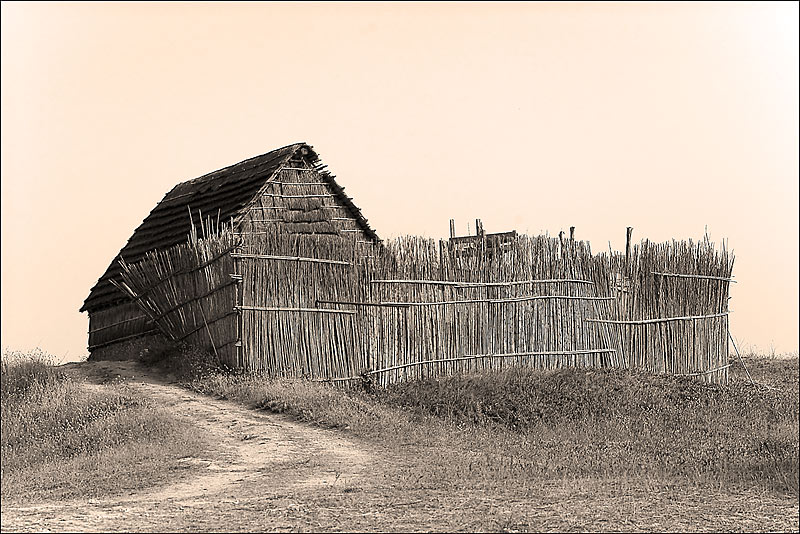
x=286, y=191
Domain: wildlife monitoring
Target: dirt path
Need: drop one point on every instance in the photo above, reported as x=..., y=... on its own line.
x=257, y=454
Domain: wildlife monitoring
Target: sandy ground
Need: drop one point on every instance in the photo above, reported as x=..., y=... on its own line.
x=272, y=474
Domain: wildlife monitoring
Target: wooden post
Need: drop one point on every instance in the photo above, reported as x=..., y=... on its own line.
x=480, y=245
x=561, y=243
x=452, y=228
x=478, y=228
x=628, y=234
x=572, y=233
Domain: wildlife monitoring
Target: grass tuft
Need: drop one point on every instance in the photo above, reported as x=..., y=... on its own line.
x=24, y=374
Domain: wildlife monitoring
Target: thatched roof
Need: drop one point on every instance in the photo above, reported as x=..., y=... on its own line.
x=222, y=194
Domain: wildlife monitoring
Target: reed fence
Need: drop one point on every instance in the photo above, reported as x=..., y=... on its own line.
x=672, y=306
x=329, y=308
x=188, y=293
x=428, y=308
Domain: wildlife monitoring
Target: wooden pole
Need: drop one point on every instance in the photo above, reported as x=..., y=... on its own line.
x=740, y=358
x=290, y=258
x=400, y=304
x=628, y=234
x=482, y=356
x=282, y=309
x=478, y=228
x=452, y=228
x=699, y=276
x=653, y=321
x=211, y=339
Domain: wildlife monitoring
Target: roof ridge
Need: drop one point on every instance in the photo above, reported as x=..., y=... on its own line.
x=229, y=167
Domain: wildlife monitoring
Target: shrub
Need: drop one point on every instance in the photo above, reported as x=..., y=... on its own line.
x=614, y=423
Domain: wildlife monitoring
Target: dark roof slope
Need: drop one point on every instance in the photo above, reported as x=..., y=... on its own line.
x=221, y=194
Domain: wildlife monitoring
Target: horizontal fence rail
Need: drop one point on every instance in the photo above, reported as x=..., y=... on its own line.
x=660, y=319
x=311, y=310
x=471, y=301
x=482, y=284
x=701, y=373
x=290, y=258
x=698, y=276
x=116, y=324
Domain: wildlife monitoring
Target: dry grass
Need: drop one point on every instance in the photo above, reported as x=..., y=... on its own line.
x=64, y=438
x=523, y=428
x=589, y=423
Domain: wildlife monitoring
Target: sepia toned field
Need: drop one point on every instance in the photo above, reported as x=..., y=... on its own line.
x=514, y=451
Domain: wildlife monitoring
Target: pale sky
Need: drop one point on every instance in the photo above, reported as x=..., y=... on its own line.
x=530, y=116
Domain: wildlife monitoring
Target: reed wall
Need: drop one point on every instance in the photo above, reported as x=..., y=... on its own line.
x=117, y=324
x=300, y=201
x=648, y=291
x=284, y=330
x=328, y=308
x=485, y=308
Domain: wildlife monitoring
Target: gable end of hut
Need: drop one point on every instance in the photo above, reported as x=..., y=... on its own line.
x=238, y=194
